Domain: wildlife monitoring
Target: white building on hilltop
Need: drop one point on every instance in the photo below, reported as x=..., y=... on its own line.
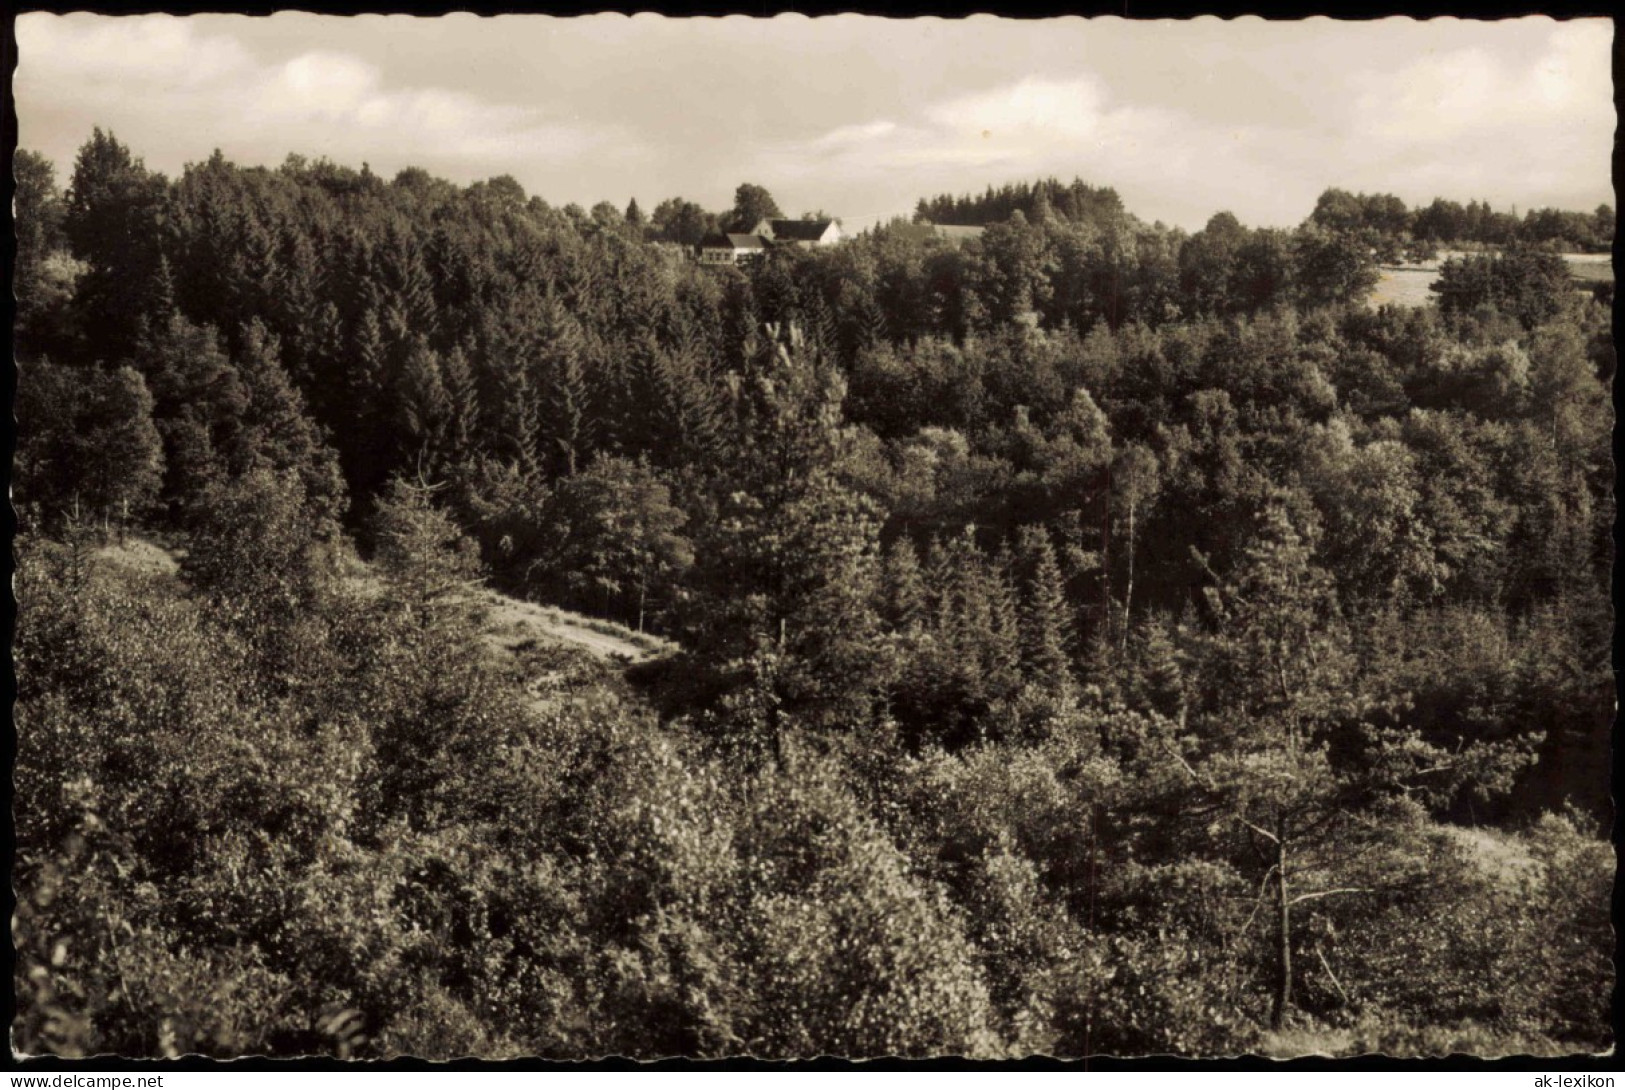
x=734, y=248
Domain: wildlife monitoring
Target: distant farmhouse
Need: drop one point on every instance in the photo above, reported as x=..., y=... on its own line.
x=731, y=249
x=801, y=233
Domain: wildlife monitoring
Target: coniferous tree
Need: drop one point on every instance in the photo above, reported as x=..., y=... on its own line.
x=906, y=606
x=693, y=411
x=367, y=453
x=1046, y=654
x=789, y=572
x=279, y=430
x=939, y=581
x=568, y=422
x=520, y=429
x=1002, y=653
x=1158, y=681
x=199, y=404
x=423, y=407
x=425, y=556
x=463, y=405
x=966, y=678
x=405, y=290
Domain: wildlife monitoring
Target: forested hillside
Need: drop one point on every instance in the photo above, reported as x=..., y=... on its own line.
x=1092, y=638
x=1447, y=222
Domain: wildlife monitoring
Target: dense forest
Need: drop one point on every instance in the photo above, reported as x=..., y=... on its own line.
x=1382, y=220
x=1445, y=222
x=1092, y=638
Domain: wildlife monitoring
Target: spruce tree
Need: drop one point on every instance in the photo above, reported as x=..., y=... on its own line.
x=1046, y=638
x=279, y=430
x=1001, y=649
x=407, y=290
x=422, y=408
x=569, y=423
x=694, y=411
x=519, y=436
x=939, y=584
x=367, y=453
x=1157, y=683
x=906, y=604
x=463, y=404
x=565, y=398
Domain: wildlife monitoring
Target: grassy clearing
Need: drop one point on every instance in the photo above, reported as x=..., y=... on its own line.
x=511, y=618
x=141, y=556
x=1592, y=268
x=1502, y=856
x=1411, y=285
x=507, y=620
x=1406, y=287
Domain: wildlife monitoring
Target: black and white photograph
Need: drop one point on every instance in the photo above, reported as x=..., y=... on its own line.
x=764, y=538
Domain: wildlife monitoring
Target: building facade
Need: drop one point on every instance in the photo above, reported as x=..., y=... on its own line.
x=804, y=234
x=735, y=249
x=730, y=249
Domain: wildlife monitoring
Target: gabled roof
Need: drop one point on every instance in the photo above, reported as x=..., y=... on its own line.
x=799, y=230
x=733, y=242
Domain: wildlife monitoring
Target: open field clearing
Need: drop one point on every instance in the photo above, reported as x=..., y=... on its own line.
x=1412, y=285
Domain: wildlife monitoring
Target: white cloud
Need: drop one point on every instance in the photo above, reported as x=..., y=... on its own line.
x=994, y=126
x=1466, y=92
x=1069, y=109
x=856, y=116
x=1460, y=123
x=322, y=83
x=149, y=50
x=343, y=94
x=1465, y=123
x=847, y=136
x=156, y=81
x=1034, y=127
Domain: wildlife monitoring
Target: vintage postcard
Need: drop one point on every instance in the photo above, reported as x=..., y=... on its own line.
x=773, y=538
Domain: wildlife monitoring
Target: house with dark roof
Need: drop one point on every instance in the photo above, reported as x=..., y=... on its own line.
x=730, y=249
x=733, y=248
x=803, y=233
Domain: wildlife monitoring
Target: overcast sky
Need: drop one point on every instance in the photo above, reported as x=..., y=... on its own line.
x=855, y=116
